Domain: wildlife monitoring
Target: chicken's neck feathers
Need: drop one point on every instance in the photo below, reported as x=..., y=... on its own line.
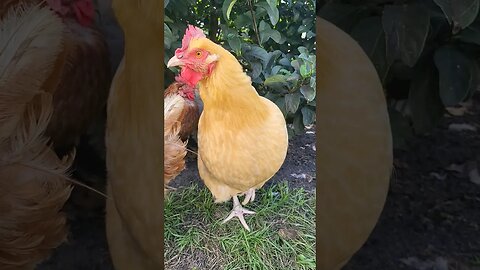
x=229, y=90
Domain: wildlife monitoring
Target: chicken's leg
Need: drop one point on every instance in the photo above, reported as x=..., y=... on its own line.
x=249, y=196
x=238, y=211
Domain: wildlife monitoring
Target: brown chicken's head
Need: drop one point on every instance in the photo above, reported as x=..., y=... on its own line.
x=181, y=88
x=185, y=90
x=194, y=57
x=82, y=10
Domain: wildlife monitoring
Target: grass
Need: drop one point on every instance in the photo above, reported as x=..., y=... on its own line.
x=282, y=232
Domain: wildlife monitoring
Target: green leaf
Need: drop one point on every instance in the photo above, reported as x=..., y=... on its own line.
x=235, y=43
x=308, y=92
x=165, y=3
x=243, y=20
x=295, y=64
x=266, y=32
x=310, y=34
x=313, y=82
x=256, y=52
x=272, y=96
x=303, y=71
x=371, y=37
x=284, y=62
x=227, y=8
x=275, y=79
x=458, y=75
x=169, y=38
x=303, y=50
x=292, y=101
x=272, y=58
x=281, y=105
x=292, y=77
x=276, y=36
x=303, y=28
x=471, y=34
x=343, y=16
x=271, y=9
x=298, y=124
x=232, y=38
x=272, y=3
x=309, y=116
x=424, y=99
x=275, y=69
x=460, y=13
x=167, y=19
x=406, y=28
x=256, y=70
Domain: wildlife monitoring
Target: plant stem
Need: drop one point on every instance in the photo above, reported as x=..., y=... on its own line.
x=255, y=28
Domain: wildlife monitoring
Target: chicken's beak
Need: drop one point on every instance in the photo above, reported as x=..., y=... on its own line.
x=174, y=62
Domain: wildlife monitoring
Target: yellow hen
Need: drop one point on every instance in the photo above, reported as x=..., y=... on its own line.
x=355, y=146
x=242, y=137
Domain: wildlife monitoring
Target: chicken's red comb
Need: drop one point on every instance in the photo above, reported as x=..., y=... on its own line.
x=190, y=33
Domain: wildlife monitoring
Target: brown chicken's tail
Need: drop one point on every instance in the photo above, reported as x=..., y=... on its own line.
x=33, y=186
x=174, y=149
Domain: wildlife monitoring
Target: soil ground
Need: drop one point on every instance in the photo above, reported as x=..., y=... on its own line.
x=432, y=215
x=430, y=221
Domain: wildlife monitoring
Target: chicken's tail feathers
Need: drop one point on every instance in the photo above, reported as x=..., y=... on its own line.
x=173, y=108
x=174, y=149
x=31, y=40
x=33, y=190
x=174, y=157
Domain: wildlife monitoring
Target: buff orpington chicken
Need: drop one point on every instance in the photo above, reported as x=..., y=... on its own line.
x=133, y=140
x=354, y=147
x=242, y=137
x=33, y=180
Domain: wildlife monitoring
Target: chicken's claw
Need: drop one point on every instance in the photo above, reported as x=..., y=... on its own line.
x=249, y=196
x=238, y=211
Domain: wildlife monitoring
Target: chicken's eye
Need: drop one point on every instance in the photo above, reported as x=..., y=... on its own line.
x=198, y=54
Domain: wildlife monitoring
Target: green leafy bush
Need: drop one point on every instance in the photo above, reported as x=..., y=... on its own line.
x=425, y=51
x=273, y=40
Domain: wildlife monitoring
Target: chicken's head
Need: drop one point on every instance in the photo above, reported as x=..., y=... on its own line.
x=195, y=57
x=82, y=10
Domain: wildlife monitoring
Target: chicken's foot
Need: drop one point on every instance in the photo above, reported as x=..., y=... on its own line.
x=238, y=211
x=249, y=196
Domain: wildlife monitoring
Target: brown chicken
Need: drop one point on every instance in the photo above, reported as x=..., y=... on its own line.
x=33, y=186
x=242, y=137
x=190, y=111
x=174, y=149
x=80, y=78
